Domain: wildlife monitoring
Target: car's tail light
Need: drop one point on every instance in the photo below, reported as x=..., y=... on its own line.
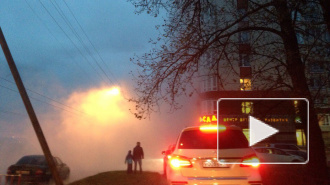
x=39, y=172
x=251, y=160
x=179, y=161
x=8, y=171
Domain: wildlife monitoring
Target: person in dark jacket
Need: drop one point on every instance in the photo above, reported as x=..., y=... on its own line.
x=129, y=162
x=138, y=155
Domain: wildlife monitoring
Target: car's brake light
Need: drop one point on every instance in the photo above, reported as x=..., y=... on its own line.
x=212, y=128
x=179, y=161
x=251, y=160
x=8, y=171
x=39, y=172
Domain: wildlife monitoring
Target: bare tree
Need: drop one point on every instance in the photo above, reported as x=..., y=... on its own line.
x=203, y=34
x=325, y=4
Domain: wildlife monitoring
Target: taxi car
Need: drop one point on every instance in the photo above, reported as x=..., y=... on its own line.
x=194, y=159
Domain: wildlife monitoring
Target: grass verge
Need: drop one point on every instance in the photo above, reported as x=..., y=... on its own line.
x=121, y=178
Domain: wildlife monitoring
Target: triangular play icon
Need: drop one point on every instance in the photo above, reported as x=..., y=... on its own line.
x=259, y=130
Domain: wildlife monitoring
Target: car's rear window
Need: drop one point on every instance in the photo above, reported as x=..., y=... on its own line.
x=229, y=139
x=34, y=160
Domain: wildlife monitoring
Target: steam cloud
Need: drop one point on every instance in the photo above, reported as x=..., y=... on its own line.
x=97, y=137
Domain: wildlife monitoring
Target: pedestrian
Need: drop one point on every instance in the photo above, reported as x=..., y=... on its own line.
x=129, y=162
x=138, y=155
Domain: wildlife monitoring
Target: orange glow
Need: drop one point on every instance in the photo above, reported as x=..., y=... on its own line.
x=251, y=161
x=175, y=163
x=178, y=162
x=113, y=91
x=103, y=106
x=212, y=128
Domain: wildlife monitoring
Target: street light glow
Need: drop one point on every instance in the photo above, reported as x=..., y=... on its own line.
x=102, y=105
x=114, y=91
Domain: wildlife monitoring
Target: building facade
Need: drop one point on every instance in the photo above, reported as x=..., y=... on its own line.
x=243, y=80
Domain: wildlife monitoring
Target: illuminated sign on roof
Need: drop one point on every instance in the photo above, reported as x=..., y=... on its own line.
x=213, y=119
x=208, y=119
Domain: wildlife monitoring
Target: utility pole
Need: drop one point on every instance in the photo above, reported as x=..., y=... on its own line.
x=30, y=110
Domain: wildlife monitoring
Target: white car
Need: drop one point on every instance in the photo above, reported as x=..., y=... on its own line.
x=270, y=154
x=289, y=148
x=194, y=158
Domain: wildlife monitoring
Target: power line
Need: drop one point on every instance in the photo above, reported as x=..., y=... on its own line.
x=56, y=38
x=58, y=107
x=75, y=18
x=42, y=101
x=90, y=40
x=67, y=21
x=71, y=40
x=46, y=97
x=9, y=112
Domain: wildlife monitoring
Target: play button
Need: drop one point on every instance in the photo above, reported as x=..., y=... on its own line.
x=259, y=130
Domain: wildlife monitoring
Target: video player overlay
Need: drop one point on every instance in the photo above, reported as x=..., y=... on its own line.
x=276, y=129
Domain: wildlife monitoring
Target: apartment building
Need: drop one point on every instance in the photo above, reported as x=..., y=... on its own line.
x=241, y=78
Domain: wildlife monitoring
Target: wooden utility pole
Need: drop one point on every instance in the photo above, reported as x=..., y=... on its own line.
x=30, y=110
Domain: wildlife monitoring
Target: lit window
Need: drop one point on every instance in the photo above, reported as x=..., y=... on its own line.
x=245, y=84
x=301, y=138
x=324, y=119
x=327, y=119
x=295, y=102
x=247, y=107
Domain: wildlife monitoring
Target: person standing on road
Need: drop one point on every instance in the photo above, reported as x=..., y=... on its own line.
x=129, y=161
x=138, y=155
